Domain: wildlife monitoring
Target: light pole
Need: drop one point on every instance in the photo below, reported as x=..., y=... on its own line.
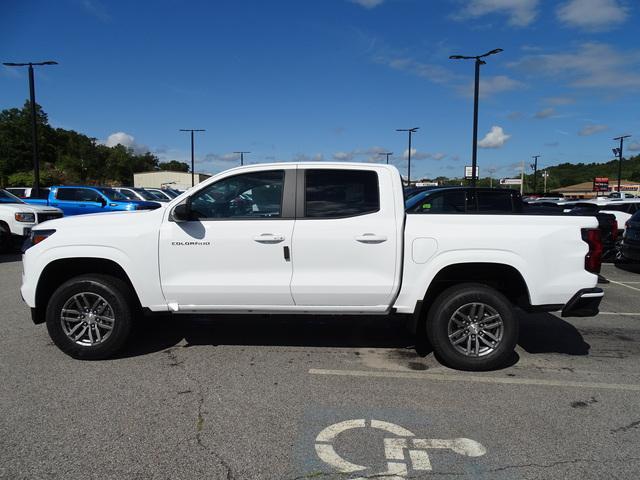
x=619, y=152
x=387, y=154
x=34, y=123
x=241, y=157
x=478, y=62
x=534, y=165
x=193, y=182
x=411, y=131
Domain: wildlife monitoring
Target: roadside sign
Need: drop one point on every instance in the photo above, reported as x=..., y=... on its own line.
x=600, y=184
x=510, y=181
x=468, y=170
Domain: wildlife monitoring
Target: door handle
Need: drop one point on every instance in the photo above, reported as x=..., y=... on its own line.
x=371, y=238
x=269, y=238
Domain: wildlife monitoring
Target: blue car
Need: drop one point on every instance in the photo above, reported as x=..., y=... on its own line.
x=78, y=200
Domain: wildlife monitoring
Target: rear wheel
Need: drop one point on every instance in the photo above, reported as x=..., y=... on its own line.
x=89, y=317
x=472, y=327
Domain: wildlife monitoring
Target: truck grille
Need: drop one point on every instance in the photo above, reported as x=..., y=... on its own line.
x=43, y=217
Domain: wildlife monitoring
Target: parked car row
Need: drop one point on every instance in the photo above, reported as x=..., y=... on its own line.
x=17, y=218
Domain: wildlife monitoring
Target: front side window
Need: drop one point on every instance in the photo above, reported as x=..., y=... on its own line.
x=88, y=195
x=340, y=193
x=250, y=195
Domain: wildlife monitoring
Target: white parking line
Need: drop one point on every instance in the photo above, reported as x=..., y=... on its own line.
x=475, y=379
x=625, y=285
x=623, y=314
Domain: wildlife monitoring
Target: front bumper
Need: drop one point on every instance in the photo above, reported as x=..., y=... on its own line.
x=585, y=303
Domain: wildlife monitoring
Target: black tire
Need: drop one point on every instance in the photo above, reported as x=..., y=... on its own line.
x=5, y=238
x=119, y=297
x=458, y=297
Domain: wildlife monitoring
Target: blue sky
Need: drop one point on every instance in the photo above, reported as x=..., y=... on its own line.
x=333, y=79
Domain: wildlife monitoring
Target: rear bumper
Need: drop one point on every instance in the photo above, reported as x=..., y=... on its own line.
x=585, y=303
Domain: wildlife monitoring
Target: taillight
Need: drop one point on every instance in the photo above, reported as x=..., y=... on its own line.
x=614, y=232
x=593, y=259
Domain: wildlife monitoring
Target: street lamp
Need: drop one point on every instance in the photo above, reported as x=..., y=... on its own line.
x=534, y=166
x=618, y=151
x=478, y=62
x=241, y=157
x=411, y=131
x=34, y=124
x=387, y=154
x=192, y=156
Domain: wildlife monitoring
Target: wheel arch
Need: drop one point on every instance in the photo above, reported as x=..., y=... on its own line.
x=59, y=271
x=504, y=278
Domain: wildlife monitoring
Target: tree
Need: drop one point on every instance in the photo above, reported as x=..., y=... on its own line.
x=174, y=166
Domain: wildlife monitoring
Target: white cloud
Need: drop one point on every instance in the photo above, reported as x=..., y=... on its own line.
x=303, y=157
x=343, y=156
x=126, y=140
x=591, y=65
x=520, y=13
x=594, y=15
x=496, y=138
x=368, y=3
x=439, y=156
x=432, y=72
x=591, y=129
x=545, y=113
x=498, y=84
x=634, y=147
x=415, y=154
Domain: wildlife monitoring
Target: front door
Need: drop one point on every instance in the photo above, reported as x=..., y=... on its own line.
x=345, y=248
x=234, y=253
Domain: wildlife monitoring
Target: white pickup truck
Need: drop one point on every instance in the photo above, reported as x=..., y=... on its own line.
x=18, y=218
x=311, y=238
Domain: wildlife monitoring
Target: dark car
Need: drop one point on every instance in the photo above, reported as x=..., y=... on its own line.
x=450, y=200
x=630, y=248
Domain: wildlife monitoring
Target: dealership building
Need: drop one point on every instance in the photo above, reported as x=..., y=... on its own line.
x=586, y=189
x=167, y=179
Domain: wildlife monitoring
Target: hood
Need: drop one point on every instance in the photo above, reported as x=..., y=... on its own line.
x=27, y=207
x=103, y=219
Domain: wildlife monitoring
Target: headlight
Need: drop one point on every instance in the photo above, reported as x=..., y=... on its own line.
x=35, y=237
x=25, y=217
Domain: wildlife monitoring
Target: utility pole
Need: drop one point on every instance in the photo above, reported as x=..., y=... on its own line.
x=411, y=131
x=193, y=182
x=534, y=165
x=619, y=152
x=522, y=179
x=491, y=172
x=387, y=154
x=478, y=61
x=34, y=123
x=241, y=157
x=545, y=174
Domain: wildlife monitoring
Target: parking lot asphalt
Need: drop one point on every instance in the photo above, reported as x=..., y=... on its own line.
x=286, y=397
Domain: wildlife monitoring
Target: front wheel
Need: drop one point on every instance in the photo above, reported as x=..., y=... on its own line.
x=472, y=327
x=89, y=317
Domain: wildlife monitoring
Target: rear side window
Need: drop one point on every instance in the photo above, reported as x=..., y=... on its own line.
x=340, y=193
x=67, y=194
x=494, y=202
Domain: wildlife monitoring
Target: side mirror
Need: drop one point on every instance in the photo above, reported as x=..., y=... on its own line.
x=103, y=202
x=182, y=212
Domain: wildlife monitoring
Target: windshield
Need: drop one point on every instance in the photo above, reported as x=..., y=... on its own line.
x=112, y=194
x=6, y=197
x=145, y=194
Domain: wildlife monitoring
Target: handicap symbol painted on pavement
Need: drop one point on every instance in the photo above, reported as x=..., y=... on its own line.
x=401, y=444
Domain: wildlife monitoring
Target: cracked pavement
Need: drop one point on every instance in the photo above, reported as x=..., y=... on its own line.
x=232, y=397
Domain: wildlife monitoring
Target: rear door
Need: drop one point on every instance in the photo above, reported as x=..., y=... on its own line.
x=345, y=245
